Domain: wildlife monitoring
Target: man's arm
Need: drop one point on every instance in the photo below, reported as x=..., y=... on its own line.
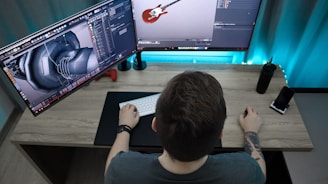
x=252, y=147
x=130, y=117
x=251, y=123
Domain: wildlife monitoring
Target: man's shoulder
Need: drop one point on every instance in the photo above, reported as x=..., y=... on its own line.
x=136, y=154
x=129, y=154
x=137, y=165
x=232, y=156
x=132, y=156
x=133, y=162
x=237, y=161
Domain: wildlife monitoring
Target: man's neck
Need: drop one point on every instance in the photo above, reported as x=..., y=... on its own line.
x=179, y=167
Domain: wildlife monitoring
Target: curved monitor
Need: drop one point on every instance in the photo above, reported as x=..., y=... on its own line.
x=195, y=24
x=49, y=65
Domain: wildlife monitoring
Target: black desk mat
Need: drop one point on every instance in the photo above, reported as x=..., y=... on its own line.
x=141, y=136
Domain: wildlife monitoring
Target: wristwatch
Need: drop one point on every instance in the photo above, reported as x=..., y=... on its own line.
x=122, y=128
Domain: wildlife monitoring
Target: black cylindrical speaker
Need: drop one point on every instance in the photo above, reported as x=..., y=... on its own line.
x=265, y=77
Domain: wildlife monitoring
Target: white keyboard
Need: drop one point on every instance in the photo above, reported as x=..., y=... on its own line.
x=145, y=105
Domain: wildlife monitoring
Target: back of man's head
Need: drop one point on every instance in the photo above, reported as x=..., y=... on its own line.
x=190, y=115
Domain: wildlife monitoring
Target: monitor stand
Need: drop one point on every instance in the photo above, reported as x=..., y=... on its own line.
x=124, y=66
x=138, y=64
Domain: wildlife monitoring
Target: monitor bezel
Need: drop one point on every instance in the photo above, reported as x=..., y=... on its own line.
x=195, y=48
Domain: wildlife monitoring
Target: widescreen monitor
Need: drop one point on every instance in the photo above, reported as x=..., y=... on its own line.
x=194, y=24
x=49, y=65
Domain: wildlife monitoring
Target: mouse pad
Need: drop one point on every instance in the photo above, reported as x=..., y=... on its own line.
x=141, y=136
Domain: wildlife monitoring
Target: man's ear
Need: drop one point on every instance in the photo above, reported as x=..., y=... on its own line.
x=221, y=134
x=153, y=125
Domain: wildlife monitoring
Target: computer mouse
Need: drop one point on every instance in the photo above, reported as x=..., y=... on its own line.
x=245, y=113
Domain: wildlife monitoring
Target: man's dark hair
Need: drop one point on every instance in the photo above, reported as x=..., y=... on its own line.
x=190, y=115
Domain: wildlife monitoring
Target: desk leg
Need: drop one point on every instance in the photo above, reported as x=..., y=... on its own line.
x=51, y=161
x=67, y=164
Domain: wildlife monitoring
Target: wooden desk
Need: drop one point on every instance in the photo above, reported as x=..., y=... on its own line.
x=73, y=122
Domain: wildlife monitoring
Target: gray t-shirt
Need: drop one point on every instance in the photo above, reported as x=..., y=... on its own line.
x=133, y=167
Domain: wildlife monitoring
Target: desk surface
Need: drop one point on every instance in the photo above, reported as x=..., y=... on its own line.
x=74, y=121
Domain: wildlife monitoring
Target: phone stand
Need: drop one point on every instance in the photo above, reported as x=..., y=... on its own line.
x=280, y=104
x=281, y=111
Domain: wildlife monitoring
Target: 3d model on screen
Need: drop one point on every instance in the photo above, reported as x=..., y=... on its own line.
x=47, y=66
x=56, y=63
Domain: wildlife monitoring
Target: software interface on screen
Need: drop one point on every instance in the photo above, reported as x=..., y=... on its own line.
x=195, y=24
x=49, y=65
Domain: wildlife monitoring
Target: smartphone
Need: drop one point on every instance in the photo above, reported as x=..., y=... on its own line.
x=280, y=104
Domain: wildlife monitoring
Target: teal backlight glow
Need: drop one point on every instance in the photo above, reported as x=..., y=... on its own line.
x=195, y=57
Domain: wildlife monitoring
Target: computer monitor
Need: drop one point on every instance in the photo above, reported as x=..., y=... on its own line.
x=49, y=65
x=194, y=24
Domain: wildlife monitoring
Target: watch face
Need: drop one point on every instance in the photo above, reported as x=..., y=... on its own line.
x=122, y=128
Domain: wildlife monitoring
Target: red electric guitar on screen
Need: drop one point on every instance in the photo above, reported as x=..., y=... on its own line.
x=152, y=15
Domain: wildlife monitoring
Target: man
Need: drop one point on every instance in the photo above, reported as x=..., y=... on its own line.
x=189, y=119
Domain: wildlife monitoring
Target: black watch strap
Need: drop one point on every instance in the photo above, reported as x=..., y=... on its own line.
x=122, y=128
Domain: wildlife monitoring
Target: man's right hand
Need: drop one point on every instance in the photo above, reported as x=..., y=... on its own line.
x=250, y=121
